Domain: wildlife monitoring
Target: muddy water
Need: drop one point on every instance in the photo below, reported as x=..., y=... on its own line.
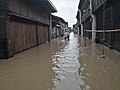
x=62, y=65
x=100, y=73
x=30, y=70
x=66, y=67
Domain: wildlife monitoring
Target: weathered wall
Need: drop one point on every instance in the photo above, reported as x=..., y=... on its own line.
x=5, y=43
x=116, y=35
x=20, y=7
x=109, y=20
x=22, y=35
x=96, y=4
x=22, y=26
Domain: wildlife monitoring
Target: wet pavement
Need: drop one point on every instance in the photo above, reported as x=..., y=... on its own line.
x=62, y=65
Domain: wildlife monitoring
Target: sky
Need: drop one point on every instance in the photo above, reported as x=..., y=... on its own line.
x=67, y=9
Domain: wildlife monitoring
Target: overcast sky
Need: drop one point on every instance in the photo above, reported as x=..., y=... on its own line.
x=67, y=9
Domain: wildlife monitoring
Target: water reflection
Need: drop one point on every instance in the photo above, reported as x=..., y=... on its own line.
x=67, y=67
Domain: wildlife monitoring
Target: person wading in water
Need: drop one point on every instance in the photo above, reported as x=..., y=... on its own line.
x=67, y=35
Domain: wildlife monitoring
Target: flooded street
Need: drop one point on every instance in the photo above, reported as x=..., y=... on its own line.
x=62, y=65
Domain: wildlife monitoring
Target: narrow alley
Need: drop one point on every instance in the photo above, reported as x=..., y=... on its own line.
x=62, y=65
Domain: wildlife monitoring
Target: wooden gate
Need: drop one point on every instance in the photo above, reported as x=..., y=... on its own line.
x=42, y=34
x=23, y=36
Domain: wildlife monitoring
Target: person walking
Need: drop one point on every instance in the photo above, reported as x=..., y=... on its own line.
x=67, y=35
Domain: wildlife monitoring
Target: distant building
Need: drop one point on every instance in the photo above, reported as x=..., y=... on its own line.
x=69, y=29
x=59, y=26
x=23, y=24
x=100, y=15
x=75, y=28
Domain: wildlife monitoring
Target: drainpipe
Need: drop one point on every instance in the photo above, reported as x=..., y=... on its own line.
x=93, y=22
x=93, y=27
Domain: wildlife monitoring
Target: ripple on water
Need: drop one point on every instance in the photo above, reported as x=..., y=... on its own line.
x=66, y=67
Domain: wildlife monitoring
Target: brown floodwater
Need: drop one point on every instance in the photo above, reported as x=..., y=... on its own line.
x=62, y=65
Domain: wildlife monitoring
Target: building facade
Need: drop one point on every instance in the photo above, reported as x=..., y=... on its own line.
x=58, y=26
x=23, y=24
x=101, y=15
x=108, y=18
x=86, y=19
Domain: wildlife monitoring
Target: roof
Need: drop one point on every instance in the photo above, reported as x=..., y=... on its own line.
x=58, y=18
x=51, y=6
x=46, y=5
x=77, y=16
x=80, y=4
